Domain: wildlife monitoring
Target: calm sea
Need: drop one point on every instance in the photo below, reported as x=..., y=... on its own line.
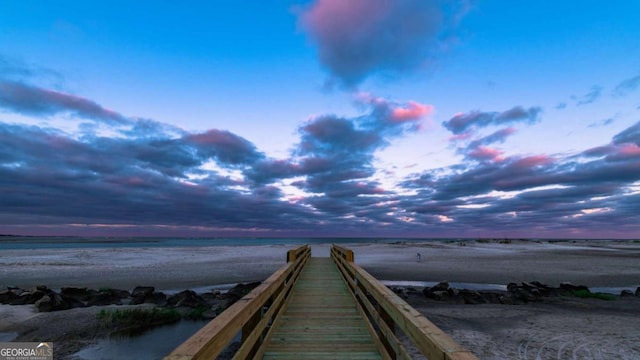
x=28, y=242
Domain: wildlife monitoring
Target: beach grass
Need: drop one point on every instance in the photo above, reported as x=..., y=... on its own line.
x=586, y=294
x=139, y=318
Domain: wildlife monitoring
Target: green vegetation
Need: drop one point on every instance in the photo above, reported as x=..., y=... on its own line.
x=139, y=318
x=196, y=314
x=586, y=294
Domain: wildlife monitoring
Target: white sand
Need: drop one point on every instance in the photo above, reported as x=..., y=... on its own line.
x=601, y=264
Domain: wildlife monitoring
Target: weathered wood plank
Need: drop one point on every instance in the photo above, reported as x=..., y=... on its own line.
x=427, y=337
x=322, y=320
x=209, y=341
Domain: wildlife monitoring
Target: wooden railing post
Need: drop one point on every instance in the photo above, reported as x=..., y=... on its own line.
x=387, y=313
x=252, y=315
x=387, y=319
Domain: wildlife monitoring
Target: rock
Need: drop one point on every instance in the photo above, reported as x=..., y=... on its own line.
x=438, y=295
x=237, y=292
x=441, y=286
x=7, y=296
x=570, y=288
x=142, y=291
x=52, y=302
x=142, y=294
x=523, y=293
x=212, y=313
x=28, y=297
x=157, y=298
x=210, y=298
x=506, y=300
x=82, y=294
x=241, y=290
x=186, y=298
x=626, y=293
x=472, y=297
x=440, y=291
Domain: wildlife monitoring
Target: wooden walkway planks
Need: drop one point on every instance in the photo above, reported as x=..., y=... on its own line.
x=322, y=320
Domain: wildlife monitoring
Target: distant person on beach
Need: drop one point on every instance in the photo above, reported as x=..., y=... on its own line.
x=419, y=257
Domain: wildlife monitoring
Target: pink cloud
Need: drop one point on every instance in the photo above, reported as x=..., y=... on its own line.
x=411, y=112
x=459, y=137
x=533, y=161
x=484, y=153
x=625, y=151
x=631, y=150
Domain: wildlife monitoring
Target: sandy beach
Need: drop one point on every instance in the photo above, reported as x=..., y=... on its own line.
x=582, y=328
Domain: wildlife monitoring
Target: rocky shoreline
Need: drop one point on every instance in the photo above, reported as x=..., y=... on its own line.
x=523, y=293
x=45, y=299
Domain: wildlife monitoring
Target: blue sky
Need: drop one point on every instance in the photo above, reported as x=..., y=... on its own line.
x=320, y=118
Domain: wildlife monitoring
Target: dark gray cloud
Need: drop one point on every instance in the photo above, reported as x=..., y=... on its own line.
x=152, y=176
x=359, y=38
x=629, y=135
x=461, y=123
x=32, y=100
x=227, y=147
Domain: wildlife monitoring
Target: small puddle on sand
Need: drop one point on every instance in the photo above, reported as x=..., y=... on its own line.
x=153, y=344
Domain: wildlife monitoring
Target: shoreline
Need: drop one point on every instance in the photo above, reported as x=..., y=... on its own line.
x=614, y=263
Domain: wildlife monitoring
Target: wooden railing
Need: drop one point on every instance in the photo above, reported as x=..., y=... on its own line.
x=387, y=314
x=249, y=318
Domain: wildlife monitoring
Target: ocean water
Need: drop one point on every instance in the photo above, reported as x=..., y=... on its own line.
x=28, y=242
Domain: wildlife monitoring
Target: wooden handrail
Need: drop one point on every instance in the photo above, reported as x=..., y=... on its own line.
x=251, y=316
x=387, y=312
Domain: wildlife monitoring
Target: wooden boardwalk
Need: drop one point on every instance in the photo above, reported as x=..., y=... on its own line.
x=321, y=308
x=322, y=320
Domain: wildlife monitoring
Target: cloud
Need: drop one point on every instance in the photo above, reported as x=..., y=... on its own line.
x=32, y=100
x=166, y=180
x=336, y=154
x=358, y=38
x=629, y=135
x=17, y=70
x=483, y=153
x=600, y=123
x=462, y=122
x=227, y=147
x=590, y=97
x=412, y=112
x=499, y=136
x=627, y=86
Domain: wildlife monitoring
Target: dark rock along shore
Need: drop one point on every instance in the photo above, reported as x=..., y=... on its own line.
x=46, y=300
x=525, y=292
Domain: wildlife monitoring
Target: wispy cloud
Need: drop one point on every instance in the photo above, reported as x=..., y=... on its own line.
x=590, y=97
x=627, y=86
x=32, y=100
x=462, y=122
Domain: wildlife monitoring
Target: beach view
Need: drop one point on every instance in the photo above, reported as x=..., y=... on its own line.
x=319, y=179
